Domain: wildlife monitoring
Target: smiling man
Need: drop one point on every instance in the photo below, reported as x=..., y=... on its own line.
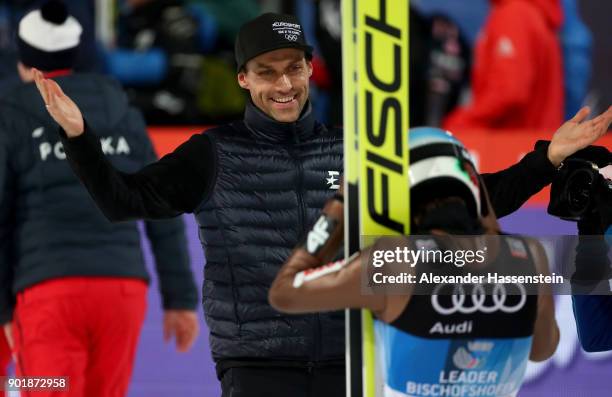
x=274, y=65
x=255, y=186
x=278, y=82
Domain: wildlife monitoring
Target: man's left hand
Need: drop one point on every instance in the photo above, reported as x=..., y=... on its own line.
x=183, y=324
x=577, y=134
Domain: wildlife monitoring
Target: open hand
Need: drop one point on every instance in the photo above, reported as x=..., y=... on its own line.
x=577, y=134
x=183, y=325
x=63, y=110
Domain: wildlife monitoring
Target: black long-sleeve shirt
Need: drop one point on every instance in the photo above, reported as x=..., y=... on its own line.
x=179, y=181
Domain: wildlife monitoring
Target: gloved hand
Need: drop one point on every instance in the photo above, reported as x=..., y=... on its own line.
x=325, y=237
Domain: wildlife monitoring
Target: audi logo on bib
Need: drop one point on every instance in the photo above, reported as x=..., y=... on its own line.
x=459, y=303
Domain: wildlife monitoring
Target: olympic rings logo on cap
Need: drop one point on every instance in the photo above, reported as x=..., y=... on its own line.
x=478, y=296
x=291, y=37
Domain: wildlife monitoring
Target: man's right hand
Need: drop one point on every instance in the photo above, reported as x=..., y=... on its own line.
x=63, y=110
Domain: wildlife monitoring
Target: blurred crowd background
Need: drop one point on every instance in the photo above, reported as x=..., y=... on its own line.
x=175, y=57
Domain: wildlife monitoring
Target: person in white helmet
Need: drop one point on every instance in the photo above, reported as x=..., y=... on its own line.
x=435, y=339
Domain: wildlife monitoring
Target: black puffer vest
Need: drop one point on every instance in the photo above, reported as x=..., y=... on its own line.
x=272, y=181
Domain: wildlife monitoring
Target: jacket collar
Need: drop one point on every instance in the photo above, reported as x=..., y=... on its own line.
x=266, y=128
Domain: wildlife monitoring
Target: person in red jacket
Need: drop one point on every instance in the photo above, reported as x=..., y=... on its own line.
x=517, y=77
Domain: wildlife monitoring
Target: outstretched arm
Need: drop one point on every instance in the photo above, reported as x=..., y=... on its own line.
x=305, y=285
x=308, y=283
x=175, y=184
x=509, y=189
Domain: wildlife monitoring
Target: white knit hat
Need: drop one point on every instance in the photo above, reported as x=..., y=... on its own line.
x=48, y=38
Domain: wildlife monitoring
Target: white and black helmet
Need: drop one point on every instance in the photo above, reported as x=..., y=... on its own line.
x=438, y=170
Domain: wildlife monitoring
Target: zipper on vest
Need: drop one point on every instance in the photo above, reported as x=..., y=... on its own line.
x=316, y=321
x=300, y=178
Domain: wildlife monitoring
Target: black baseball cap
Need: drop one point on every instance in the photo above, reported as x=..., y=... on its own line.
x=269, y=32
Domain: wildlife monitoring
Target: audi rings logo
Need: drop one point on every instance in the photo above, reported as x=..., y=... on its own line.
x=291, y=37
x=478, y=302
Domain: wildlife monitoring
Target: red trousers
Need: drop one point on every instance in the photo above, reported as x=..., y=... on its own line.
x=85, y=328
x=5, y=354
